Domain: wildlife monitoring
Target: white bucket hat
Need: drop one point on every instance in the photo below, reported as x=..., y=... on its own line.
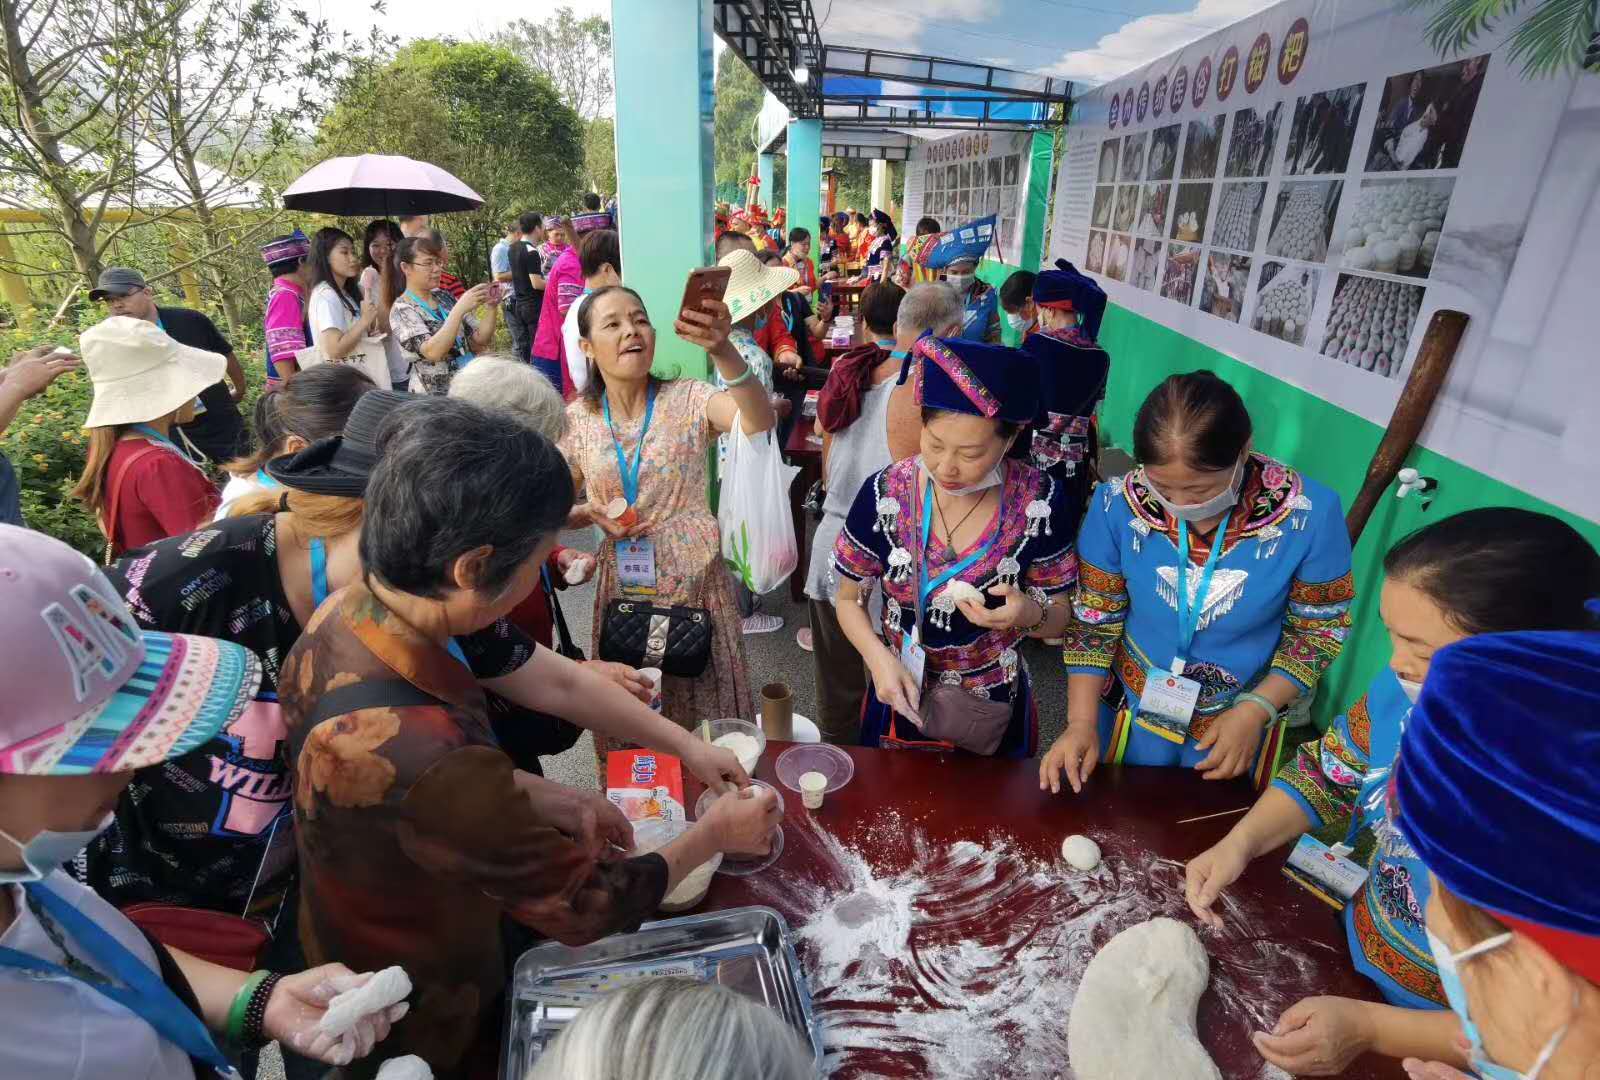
x=753, y=284
x=140, y=373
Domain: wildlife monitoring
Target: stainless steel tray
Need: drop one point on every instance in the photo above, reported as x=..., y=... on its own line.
x=746, y=949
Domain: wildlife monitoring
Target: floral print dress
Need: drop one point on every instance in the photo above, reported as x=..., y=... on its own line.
x=413, y=323
x=673, y=504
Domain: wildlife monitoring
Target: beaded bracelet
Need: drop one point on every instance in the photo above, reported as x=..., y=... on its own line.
x=241, y=1001
x=255, y=1013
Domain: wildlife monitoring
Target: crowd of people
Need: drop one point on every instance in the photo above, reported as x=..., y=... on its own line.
x=291, y=734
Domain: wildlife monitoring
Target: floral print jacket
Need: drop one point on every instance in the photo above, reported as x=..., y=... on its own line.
x=414, y=838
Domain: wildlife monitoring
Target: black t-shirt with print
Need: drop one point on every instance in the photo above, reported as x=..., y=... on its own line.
x=196, y=830
x=218, y=432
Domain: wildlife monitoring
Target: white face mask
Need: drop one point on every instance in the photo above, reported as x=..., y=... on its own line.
x=992, y=479
x=1413, y=690
x=1018, y=321
x=1213, y=506
x=959, y=282
x=49, y=851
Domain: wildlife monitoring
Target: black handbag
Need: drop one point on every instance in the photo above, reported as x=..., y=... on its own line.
x=527, y=734
x=675, y=639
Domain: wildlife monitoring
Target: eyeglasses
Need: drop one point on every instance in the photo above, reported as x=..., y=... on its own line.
x=427, y=264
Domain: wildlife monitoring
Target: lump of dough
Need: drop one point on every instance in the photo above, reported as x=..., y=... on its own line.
x=410, y=1067
x=1133, y=1017
x=386, y=988
x=960, y=591
x=1080, y=852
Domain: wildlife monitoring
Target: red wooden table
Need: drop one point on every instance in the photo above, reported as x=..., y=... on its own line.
x=1010, y=898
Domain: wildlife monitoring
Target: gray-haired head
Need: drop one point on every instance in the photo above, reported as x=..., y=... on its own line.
x=453, y=478
x=676, y=1029
x=498, y=382
x=933, y=307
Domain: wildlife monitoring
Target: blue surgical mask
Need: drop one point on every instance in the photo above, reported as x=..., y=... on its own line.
x=49, y=851
x=1450, y=979
x=1213, y=506
x=1018, y=321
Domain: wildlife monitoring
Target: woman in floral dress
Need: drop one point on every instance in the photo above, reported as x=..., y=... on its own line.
x=646, y=440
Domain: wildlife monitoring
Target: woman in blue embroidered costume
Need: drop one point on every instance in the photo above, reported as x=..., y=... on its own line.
x=1483, y=571
x=958, y=516
x=1214, y=590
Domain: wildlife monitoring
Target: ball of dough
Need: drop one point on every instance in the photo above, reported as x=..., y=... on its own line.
x=1080, y=852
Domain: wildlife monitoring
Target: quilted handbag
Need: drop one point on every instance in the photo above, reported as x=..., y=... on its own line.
x=675, y=639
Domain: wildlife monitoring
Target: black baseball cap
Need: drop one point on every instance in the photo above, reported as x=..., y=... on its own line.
x=118, y=281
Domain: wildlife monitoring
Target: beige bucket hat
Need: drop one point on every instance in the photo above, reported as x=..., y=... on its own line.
x=140, y=373
x=753, y=284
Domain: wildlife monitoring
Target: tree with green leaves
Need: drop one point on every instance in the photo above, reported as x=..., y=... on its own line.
x=478, y=111
x=600, y=155
x=1556, y=36
x=573, y=53
x=738, y=103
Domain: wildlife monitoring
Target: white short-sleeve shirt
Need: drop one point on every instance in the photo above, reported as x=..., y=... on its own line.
x=61, y=1028
x=325, y=311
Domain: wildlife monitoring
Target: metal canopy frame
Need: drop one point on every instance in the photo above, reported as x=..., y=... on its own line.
x=775, y=37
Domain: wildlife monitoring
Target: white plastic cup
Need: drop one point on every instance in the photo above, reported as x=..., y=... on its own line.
x=813, y=786
x=653, y=676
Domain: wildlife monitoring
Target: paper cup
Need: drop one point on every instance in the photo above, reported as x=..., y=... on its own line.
x=654, y=677
x=813, y=786
x=619, y=511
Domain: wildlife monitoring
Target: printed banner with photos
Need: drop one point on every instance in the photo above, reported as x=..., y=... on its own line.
x=969, y=176
x=1303, y=189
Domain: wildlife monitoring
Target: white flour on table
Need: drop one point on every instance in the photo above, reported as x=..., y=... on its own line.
x=965, y=964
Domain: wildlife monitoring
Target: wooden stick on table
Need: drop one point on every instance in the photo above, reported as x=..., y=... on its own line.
x=1208, y=817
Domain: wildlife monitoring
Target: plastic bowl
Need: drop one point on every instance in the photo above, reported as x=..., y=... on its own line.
x=731, y=864
x=653, y=834
x=716, y=729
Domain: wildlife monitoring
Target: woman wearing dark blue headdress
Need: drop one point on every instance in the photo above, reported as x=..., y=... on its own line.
x=1495, y=790
x=1484, y=571
x=973, y=550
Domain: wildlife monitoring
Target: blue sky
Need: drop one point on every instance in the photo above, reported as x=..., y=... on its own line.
x=1088, y=40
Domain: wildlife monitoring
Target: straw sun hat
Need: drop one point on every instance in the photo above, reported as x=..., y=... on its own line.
x=139, y=373
x=753, y=284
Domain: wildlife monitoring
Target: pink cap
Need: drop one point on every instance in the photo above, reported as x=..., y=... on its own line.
x=88, y=691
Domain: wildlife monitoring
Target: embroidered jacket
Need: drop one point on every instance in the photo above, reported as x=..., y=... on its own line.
x=1343, y=778
x=1029, y=545
x=1279, y=600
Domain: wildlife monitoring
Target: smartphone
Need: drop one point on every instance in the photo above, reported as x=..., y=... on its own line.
x=499, y=291
x=705, y=283
x=827, y=291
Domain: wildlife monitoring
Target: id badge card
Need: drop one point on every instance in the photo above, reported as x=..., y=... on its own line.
x=1326, y=872
x=914, y=657
x=636, y=566
x=1166, y=705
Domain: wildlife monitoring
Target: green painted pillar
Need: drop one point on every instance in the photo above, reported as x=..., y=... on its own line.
x=1036, y=200
x=805, y=178
x=662, y=58
x=766, y=191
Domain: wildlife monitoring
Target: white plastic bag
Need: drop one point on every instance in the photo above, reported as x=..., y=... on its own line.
x=753, y=513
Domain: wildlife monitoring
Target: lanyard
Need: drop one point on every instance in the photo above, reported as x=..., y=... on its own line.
x=142, y=992
x=466, y=355
x=264, y=480
x=630, y=473
x=166, y=444
x=1189, y=612
x=319, y=591
x=926, y=588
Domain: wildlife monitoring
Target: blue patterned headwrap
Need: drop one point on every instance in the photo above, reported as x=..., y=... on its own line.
x=980, y=380
x=1067, y=289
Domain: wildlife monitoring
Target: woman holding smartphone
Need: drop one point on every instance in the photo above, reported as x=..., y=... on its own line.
x=437, y=333
x=644, y=438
